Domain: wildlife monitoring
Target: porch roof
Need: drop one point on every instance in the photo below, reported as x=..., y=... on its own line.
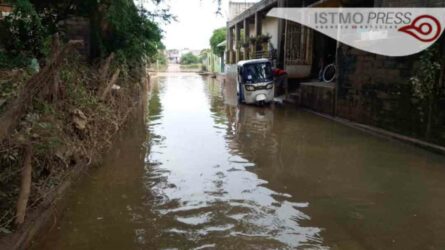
x=326, y=4
x=222, y=44
x=260, y=6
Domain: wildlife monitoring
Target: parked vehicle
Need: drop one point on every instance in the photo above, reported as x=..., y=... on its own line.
x=255, y=81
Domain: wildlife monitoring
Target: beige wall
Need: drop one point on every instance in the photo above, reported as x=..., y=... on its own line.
x=270, y=27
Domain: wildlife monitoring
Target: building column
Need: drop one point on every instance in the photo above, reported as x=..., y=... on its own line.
x=246, y=30
x=229, y=45
x=257, y=24
x=281, y=38
x=246, y=38
x=257, y=32
x=237, y=41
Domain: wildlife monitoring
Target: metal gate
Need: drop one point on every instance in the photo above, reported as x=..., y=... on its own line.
x=298, y=44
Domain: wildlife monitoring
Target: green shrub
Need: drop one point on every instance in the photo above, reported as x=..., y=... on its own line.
x=189, y=58
x=8, y=61
x=26, y=35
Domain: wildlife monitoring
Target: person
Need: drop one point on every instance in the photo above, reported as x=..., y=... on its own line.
x=281, y=84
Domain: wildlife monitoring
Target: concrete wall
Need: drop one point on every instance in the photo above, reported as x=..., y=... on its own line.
x=376, y=90
x=231, y=72
x=213, y=63
x=318, y=99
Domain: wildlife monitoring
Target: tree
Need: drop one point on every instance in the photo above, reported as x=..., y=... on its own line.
x=25, y=34
x=219, y=36
x=116, y=26
x=189, y=58
x=131, y=32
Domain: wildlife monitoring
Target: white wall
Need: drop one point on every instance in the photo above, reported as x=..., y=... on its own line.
x=270, y=27
x=251, y=29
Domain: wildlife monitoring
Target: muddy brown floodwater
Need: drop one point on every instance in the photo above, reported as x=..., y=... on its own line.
x=204, y=173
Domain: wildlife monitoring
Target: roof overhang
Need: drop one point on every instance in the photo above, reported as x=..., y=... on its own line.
x=222, y=44
x=260, y=6
x=326, y=4
x=262, y=60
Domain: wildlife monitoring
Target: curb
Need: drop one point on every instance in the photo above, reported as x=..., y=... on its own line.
x=383, y=133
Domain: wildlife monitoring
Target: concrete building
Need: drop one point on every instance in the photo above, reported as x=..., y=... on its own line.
x=253, y=35
x=238, y=7
x=369, y=89
x=173, y=56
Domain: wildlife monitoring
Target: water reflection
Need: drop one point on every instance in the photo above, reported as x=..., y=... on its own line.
x=204, y=192
x=365, y=192
x=210, y=174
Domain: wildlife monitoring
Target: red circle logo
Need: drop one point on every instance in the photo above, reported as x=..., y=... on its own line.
x=425, y=28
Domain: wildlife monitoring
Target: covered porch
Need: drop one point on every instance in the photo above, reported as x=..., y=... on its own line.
x=253, y=35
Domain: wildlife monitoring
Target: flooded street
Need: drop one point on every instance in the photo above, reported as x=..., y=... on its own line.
x=204, y=173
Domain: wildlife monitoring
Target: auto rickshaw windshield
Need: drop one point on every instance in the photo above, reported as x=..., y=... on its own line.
x=257, y=72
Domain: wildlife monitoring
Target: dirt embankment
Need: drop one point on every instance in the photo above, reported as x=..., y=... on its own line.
x=53, y=125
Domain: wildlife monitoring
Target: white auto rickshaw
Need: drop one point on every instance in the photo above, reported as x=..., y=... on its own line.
x=255, y=81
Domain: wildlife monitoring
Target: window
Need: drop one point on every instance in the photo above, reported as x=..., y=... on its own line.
x=258, y=72
x=299, y=41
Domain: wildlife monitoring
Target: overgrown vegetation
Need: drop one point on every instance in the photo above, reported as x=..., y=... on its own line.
x=116, y=26
x=25, y=34
x=425, y=83
x=73, y=130
x=132, y=34
x=60, y=106
x=66, y=114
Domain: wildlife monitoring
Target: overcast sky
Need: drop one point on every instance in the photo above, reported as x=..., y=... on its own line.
x=196, y=21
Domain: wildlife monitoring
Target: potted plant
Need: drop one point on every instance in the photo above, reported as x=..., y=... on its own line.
x=252, y=40
x=263, y=38
x=239, y=45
